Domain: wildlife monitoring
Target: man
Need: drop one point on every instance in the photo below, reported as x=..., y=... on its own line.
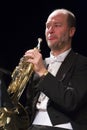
x=57, y=94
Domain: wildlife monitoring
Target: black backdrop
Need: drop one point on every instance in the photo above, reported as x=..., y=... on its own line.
x=21, y=23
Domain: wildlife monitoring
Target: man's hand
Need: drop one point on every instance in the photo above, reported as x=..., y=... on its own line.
x=34, y=56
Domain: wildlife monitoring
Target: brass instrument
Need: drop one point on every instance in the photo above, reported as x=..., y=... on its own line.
x=20, y=77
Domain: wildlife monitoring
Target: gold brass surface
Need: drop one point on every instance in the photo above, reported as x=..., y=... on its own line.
x=17, y=118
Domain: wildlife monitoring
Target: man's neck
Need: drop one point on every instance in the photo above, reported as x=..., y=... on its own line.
x=58, y=52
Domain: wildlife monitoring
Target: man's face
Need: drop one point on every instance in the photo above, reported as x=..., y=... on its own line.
x=57, y=31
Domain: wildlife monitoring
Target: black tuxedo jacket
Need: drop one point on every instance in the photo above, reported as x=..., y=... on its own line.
x=67, y=93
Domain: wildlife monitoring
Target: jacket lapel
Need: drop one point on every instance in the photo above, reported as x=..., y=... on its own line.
x=66, y=65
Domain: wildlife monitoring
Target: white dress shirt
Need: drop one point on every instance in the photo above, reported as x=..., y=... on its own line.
x=42, y=117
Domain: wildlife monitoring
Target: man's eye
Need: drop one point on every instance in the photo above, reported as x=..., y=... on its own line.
x=48, y=26
x=57, y=25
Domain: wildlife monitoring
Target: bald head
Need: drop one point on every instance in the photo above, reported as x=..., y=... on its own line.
x=71, y=20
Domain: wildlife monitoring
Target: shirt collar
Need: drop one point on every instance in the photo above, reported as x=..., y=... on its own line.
x=59, y=58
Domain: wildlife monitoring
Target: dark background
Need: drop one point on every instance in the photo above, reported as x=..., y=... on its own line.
x=21, y=23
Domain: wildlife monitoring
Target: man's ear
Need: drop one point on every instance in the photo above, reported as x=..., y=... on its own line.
x=72, y=31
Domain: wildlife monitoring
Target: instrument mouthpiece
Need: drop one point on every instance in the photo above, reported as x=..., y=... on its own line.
x=39, y=41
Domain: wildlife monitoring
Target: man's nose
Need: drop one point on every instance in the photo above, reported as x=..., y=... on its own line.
x=51, y=29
